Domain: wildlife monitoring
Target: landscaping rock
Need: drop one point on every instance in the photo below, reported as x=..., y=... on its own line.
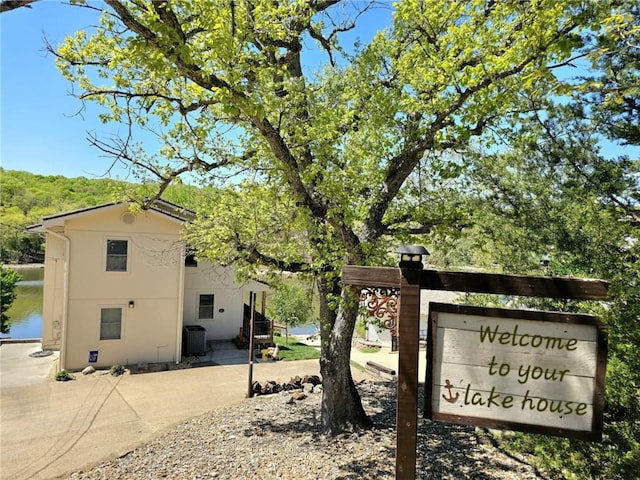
x=298, y=395
x=256, y=388
x=313, y=379
x=306, y=384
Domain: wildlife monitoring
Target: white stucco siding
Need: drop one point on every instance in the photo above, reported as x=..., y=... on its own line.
x=113, y=218
x=151, y=281
x=152, y=269
x=227, y=309
x=53, y=293
x=154, y=256
x=146, y=335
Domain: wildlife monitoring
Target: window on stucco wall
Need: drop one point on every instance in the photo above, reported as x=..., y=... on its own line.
x=205, y=306
x=111, y=323
x=117, y=252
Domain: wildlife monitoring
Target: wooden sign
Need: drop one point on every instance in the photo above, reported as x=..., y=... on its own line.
x=532, y=371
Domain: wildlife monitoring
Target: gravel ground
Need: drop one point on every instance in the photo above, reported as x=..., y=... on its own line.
x=275, y=437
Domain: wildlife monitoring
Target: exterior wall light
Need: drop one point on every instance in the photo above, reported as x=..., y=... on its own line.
x=131, y=304
x=411, y=256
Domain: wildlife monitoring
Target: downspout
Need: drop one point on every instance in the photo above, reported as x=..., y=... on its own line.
x=180, y=314
x=65, y=300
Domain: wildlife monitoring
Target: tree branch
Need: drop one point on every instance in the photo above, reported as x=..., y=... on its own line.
x=7, y=5
x=257, y=257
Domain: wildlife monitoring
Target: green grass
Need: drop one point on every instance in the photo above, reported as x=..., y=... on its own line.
x=361, y=329
x=295, y=350
x=357, y=366
x=369, y=349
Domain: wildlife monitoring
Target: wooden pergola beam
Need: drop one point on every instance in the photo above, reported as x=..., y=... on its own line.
x=493, y=283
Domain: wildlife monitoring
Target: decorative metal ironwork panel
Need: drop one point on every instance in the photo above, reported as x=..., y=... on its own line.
x=382, y=303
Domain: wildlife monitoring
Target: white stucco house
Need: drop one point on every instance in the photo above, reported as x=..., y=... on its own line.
x=120, y=288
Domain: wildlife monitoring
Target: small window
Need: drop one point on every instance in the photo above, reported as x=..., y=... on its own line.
x=190, y=257
x=205, y=306
x=110, y=323
x=117, y=255
x=190, y=260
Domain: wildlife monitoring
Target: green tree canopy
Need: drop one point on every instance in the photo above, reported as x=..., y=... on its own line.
x=292, y=304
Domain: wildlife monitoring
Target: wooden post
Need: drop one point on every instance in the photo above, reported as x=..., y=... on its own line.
x=408, y=343
x=252, y=308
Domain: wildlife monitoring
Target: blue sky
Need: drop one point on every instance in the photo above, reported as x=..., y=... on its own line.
x=40, y=129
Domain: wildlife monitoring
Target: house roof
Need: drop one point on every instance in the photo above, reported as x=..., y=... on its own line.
x=163, y=207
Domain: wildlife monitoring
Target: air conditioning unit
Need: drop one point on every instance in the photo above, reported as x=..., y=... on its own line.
x=194, y=340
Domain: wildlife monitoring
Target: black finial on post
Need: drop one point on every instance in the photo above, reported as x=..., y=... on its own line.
x=411, y=256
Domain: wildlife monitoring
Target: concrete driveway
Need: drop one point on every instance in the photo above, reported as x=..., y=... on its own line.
x=21, y=365
x=49, y=429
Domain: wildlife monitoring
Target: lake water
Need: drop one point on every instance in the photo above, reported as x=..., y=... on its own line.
x=25, y=315
x=304, y=330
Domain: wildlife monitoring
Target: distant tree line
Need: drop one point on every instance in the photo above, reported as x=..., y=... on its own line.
x=25, y=198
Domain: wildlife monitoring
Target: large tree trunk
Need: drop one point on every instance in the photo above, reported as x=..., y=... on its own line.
x=341, y=405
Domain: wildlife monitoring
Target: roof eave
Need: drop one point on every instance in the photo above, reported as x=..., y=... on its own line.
x=168, y=209
x=38, y=228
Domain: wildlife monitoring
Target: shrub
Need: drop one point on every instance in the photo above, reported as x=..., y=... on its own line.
x=63, y=376
x=116, y=370
x=8, y=278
